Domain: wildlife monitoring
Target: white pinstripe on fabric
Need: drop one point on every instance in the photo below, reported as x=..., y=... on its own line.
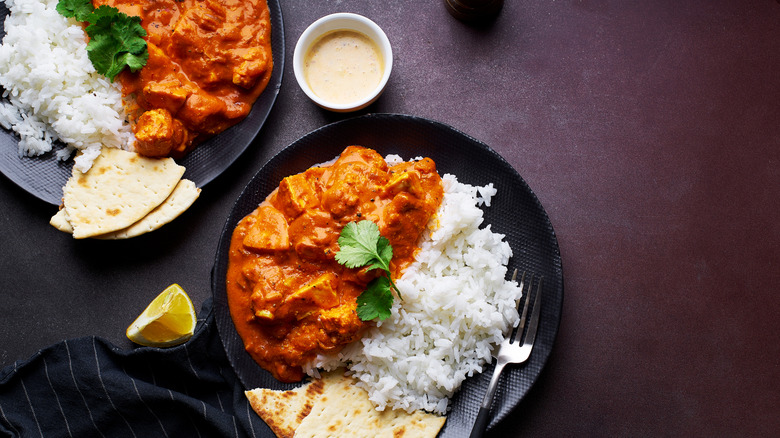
x=249, y=413
x=100, y=378
x=197, y=430
x=57, y=397
x=219, y=399
x=73, y=376
x=135, y=387
x=8, y=422
x=192, y=423
x=189, y=362
x=29, y=403
x=194, y=371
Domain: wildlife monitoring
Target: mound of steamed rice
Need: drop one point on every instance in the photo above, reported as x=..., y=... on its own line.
x=456, y=306
x=51, y=91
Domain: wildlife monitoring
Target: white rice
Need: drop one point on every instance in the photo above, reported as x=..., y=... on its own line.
x=51, y=91
x=456, y=306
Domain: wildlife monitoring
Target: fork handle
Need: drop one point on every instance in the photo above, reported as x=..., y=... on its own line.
x=484, y=411
x=481, y=424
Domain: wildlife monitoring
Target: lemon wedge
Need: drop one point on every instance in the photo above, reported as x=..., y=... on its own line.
x=168, y=320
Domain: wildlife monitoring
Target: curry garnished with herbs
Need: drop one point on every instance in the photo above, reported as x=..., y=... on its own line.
x=289, y=297
x=208, y=62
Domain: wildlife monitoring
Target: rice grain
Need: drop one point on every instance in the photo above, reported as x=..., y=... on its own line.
x=51, y=91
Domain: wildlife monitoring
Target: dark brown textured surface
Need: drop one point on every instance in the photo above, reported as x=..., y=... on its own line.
x=650, y=131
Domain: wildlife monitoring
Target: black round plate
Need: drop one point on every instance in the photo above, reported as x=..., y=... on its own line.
x=515, y=211
x=45, y=176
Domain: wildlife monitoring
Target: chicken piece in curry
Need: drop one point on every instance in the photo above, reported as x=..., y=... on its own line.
x=288, y=297
x=208, y=62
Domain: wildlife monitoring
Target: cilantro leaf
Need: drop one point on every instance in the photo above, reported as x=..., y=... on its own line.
x=78, y=9
x=99, y=51
x=376, y=300
x=384, y=251
x=361, y=245
x=116, y=39
x=133, y=61
x=101, y=12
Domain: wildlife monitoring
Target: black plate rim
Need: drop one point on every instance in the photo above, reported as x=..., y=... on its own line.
x=43, y=177
x=552, y=325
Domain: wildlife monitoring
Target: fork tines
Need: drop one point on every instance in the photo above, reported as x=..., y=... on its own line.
x=525, y=299
x=512, y=350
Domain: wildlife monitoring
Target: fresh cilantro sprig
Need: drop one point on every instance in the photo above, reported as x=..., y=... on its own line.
x=78, y=9
x=361, y=245
x=376, y=301
x=116, y=39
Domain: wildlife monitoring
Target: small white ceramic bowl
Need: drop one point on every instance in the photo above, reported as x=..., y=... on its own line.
x=342, y=21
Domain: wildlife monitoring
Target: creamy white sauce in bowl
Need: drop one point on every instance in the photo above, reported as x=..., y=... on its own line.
x=342, y=62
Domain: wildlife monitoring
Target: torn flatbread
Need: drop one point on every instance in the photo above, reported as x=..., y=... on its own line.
x=119, y=189
x=177, y=203
x=336, y=407
x=61, y=221
x=183, y=196
x=283, y=411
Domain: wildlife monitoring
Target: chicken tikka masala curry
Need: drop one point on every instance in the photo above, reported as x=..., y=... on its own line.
x=208, y=62
x=288, y=297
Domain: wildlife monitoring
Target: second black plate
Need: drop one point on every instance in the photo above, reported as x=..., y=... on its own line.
x=44, y=176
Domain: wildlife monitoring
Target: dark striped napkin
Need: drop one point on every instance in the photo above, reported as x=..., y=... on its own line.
x=87, y=387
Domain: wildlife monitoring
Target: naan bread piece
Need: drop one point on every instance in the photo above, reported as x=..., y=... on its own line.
x=182, y=197
x=119, y=189
x=177, y=203
x=283, y=411
x=345, y=410
x=61, y=221
x=334, y=406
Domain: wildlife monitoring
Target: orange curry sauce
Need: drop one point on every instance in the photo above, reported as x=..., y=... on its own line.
x=209, y=60
x=288, y=297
